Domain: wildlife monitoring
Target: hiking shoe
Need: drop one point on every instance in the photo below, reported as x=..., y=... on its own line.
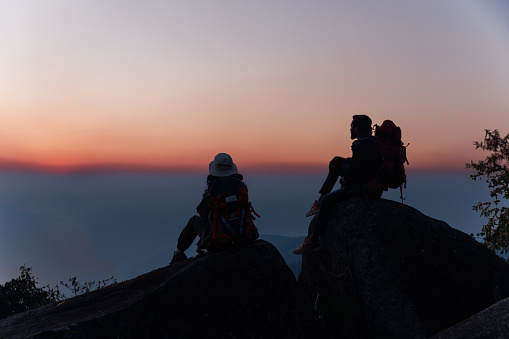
x=307, y=246
x=315, y=208
x=178, y=256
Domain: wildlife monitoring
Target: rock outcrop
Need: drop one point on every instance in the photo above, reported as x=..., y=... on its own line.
x=388, y=271
x=493, y=322
x=239, y=293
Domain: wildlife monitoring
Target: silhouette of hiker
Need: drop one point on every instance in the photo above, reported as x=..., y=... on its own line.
x=354, y=173
x=199, y=225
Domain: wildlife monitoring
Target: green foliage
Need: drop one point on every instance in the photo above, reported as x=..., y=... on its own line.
x=495, y=169
x=22, y=294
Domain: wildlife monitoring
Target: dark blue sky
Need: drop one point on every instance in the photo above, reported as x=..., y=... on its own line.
x=95, y=226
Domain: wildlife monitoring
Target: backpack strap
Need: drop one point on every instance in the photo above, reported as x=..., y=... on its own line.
x=401, y=194
x=251, y=210
x=228, y=226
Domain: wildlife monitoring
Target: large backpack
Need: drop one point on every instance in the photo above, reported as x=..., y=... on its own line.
x=392, y=172
x=231, y=214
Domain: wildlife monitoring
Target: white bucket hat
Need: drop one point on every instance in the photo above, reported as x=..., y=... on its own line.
x=222, y=166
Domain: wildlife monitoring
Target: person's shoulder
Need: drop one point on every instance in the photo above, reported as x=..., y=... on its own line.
x=364, y=140
x=364, y=144
x=236, y=176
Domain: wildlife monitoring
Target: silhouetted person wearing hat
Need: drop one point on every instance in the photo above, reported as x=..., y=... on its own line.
x=199, y=225
x=354, y=172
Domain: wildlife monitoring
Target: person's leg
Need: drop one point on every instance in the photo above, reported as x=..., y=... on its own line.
x=326, y=205
x=338, y=166
x=311, y=242
x=194, y=227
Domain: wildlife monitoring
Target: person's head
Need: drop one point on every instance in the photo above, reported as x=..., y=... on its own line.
x=222, y=166
x=361, y=125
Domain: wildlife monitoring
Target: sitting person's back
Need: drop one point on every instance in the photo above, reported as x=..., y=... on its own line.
x=355, y=172
x=217, y=229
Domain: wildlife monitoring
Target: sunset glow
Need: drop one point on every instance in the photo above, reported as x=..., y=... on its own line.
x=166, y=85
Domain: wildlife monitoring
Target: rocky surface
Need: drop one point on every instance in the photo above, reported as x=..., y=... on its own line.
x=239, y=293
x=388, y=271
x=492, y=323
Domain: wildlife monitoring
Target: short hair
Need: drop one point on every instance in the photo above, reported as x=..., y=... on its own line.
x=363, y=123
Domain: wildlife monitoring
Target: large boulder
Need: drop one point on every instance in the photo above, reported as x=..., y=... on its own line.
x=493, y=322
x=238, y=293
x=388, y=271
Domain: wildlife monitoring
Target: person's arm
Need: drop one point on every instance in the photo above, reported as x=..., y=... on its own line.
x=204, y=207
x=363, y=156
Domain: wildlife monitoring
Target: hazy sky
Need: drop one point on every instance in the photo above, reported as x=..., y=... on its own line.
x=94, y=226
x=172, y=83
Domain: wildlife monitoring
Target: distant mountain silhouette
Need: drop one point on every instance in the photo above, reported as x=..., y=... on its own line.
x=284, y=245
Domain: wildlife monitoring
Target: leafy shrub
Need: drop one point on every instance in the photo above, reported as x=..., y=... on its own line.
x=22, y=294
x=495, y=168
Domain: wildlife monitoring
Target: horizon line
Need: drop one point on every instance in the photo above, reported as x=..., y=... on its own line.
x=260, y=168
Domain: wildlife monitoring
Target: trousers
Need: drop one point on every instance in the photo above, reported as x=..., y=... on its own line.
x=196, y=226
x=337, y=167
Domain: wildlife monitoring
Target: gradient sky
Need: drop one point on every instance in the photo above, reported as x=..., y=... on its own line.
x=172, y=83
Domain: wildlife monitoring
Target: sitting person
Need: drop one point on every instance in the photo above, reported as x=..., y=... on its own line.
x=202, y=224
x=354, y=172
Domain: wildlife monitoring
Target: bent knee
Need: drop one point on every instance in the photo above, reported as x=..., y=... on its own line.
x=334, y=162
x=194, y=219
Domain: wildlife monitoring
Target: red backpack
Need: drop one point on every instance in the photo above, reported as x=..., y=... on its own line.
x=231, y=214
x=392, y=172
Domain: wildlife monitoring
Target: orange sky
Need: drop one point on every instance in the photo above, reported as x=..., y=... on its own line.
x=172, y=84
